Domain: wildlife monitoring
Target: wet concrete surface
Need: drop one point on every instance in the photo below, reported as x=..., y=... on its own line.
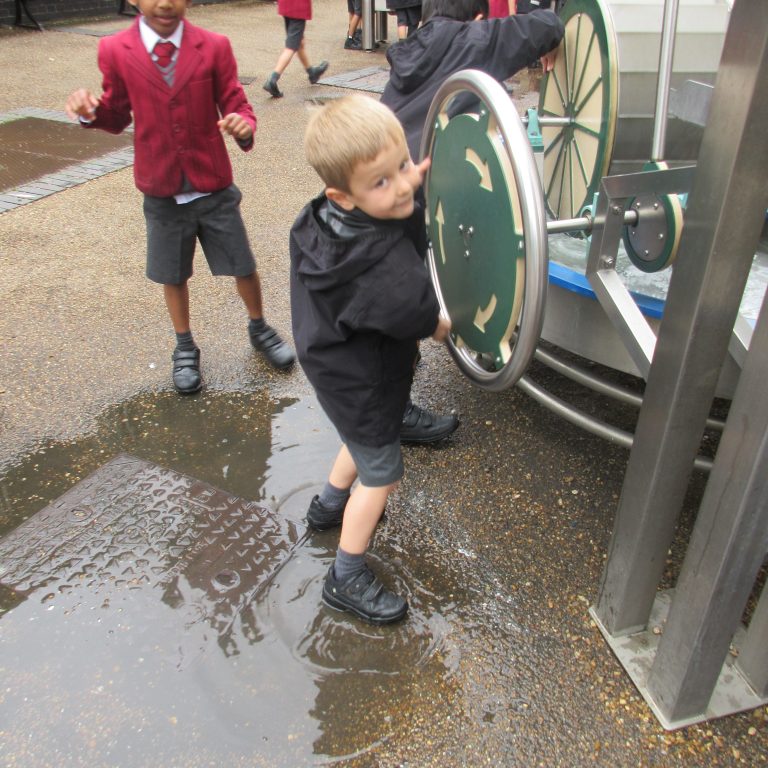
x=498, y=537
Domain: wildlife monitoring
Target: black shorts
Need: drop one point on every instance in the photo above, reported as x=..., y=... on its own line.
x=355, y=7
x=409, y=17
x=174, y=229
x=294, y=32
x=377, y=467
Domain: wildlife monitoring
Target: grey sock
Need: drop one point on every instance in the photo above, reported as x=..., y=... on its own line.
x=185, y=342
x=347, y=565
x=332, y=497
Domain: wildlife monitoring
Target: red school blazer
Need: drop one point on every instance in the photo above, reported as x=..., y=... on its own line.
x=175, y=129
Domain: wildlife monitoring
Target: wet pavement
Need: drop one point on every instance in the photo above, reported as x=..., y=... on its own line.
x=497, y=537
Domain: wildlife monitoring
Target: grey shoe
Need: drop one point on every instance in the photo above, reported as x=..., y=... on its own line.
x=365, y=596
x=270, y=86
x=315, y=73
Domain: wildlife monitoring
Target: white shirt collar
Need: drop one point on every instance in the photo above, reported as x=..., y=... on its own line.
x=149, y=37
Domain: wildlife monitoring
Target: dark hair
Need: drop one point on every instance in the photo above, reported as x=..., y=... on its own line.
x=460, y=10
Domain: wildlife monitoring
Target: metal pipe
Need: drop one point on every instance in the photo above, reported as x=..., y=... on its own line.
x=601, y=386
x=368, y=25
x=585, y=223
x=666, y=55
x=550, y=121
x=587, y=422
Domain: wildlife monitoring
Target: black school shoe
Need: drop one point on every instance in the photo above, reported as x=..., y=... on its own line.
x=422, y=426
x=365, y=596
x=267, y=341
x=315, y=73
x=186, y=371
x=322, y=518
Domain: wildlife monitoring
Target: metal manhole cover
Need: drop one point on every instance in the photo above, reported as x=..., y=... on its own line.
x=134, y=539
x=369, y=79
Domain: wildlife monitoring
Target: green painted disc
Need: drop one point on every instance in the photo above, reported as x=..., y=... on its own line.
x=476, y=229
x=582, y=87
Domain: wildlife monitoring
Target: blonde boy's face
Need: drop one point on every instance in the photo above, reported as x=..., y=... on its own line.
x=163, y=16
x=382, y=187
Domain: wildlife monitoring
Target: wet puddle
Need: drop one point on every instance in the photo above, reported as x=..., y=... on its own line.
x=31, y=147
x=192, y=655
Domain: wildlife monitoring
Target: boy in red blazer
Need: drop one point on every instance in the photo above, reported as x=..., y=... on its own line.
x=296, y=14
x=180, y=82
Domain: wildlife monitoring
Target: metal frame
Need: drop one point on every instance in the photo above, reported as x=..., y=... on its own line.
x=687, y=671
x=607, y=229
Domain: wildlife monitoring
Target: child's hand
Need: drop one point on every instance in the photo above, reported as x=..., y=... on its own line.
x=443, y=329
x=236, y=125
x=81, y=103
x=548, y=59
x=422, y=168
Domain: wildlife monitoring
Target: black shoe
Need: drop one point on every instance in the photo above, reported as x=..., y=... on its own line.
x=321, y=518
x=353, y=45
x=358, y=34
x=315, y=73
x=270, y=86
x=186, y=371
x=422, y=426
x=268, y=342
x=365, y=596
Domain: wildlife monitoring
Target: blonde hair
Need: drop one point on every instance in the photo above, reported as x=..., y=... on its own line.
x=347, y=131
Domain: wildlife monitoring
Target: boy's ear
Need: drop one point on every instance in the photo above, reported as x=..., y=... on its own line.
x=339, y=197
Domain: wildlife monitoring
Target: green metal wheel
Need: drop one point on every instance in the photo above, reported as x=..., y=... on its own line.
x=583, y=89
x=487, y=226
x=653, y=242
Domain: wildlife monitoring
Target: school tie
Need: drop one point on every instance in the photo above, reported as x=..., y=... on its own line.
x=164, y=52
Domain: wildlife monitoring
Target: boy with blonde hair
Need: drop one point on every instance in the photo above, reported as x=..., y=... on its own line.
x=361, y=299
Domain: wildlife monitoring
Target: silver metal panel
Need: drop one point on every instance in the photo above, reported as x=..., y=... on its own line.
x=716, y=251
x=753, y=656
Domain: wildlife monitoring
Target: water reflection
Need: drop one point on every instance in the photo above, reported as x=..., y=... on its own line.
x=179, y=655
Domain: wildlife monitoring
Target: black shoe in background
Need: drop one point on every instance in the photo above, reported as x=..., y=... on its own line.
x=422, y=426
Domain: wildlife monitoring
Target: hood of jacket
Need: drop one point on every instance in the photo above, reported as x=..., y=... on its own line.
x=330, y=259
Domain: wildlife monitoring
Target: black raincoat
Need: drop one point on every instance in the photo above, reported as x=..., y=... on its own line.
x=424, y=60
x=359, y=304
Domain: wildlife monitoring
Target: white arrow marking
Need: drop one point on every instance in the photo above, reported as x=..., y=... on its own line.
x=440, y=219
x=481, y=167
x=482, y=316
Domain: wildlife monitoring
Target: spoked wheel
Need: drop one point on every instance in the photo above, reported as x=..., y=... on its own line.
x=583, y=89
x=487, y=226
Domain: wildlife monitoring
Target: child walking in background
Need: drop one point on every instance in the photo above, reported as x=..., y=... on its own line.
x=178, y=83
x=361, y=299
x=296, y=14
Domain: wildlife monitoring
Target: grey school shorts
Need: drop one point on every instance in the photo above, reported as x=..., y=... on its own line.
x=377, y=467
x=214, y=220
x=355, y=7
x=294, y=32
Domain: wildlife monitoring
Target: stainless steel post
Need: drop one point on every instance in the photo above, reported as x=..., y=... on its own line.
x=368, y=25
x=726, y=550
x=666, y=55
x=721, y=233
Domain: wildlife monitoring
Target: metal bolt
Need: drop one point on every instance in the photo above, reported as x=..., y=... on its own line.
x=661, y=235
x=655, y=206
x=616, y=210
x=467, y=254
